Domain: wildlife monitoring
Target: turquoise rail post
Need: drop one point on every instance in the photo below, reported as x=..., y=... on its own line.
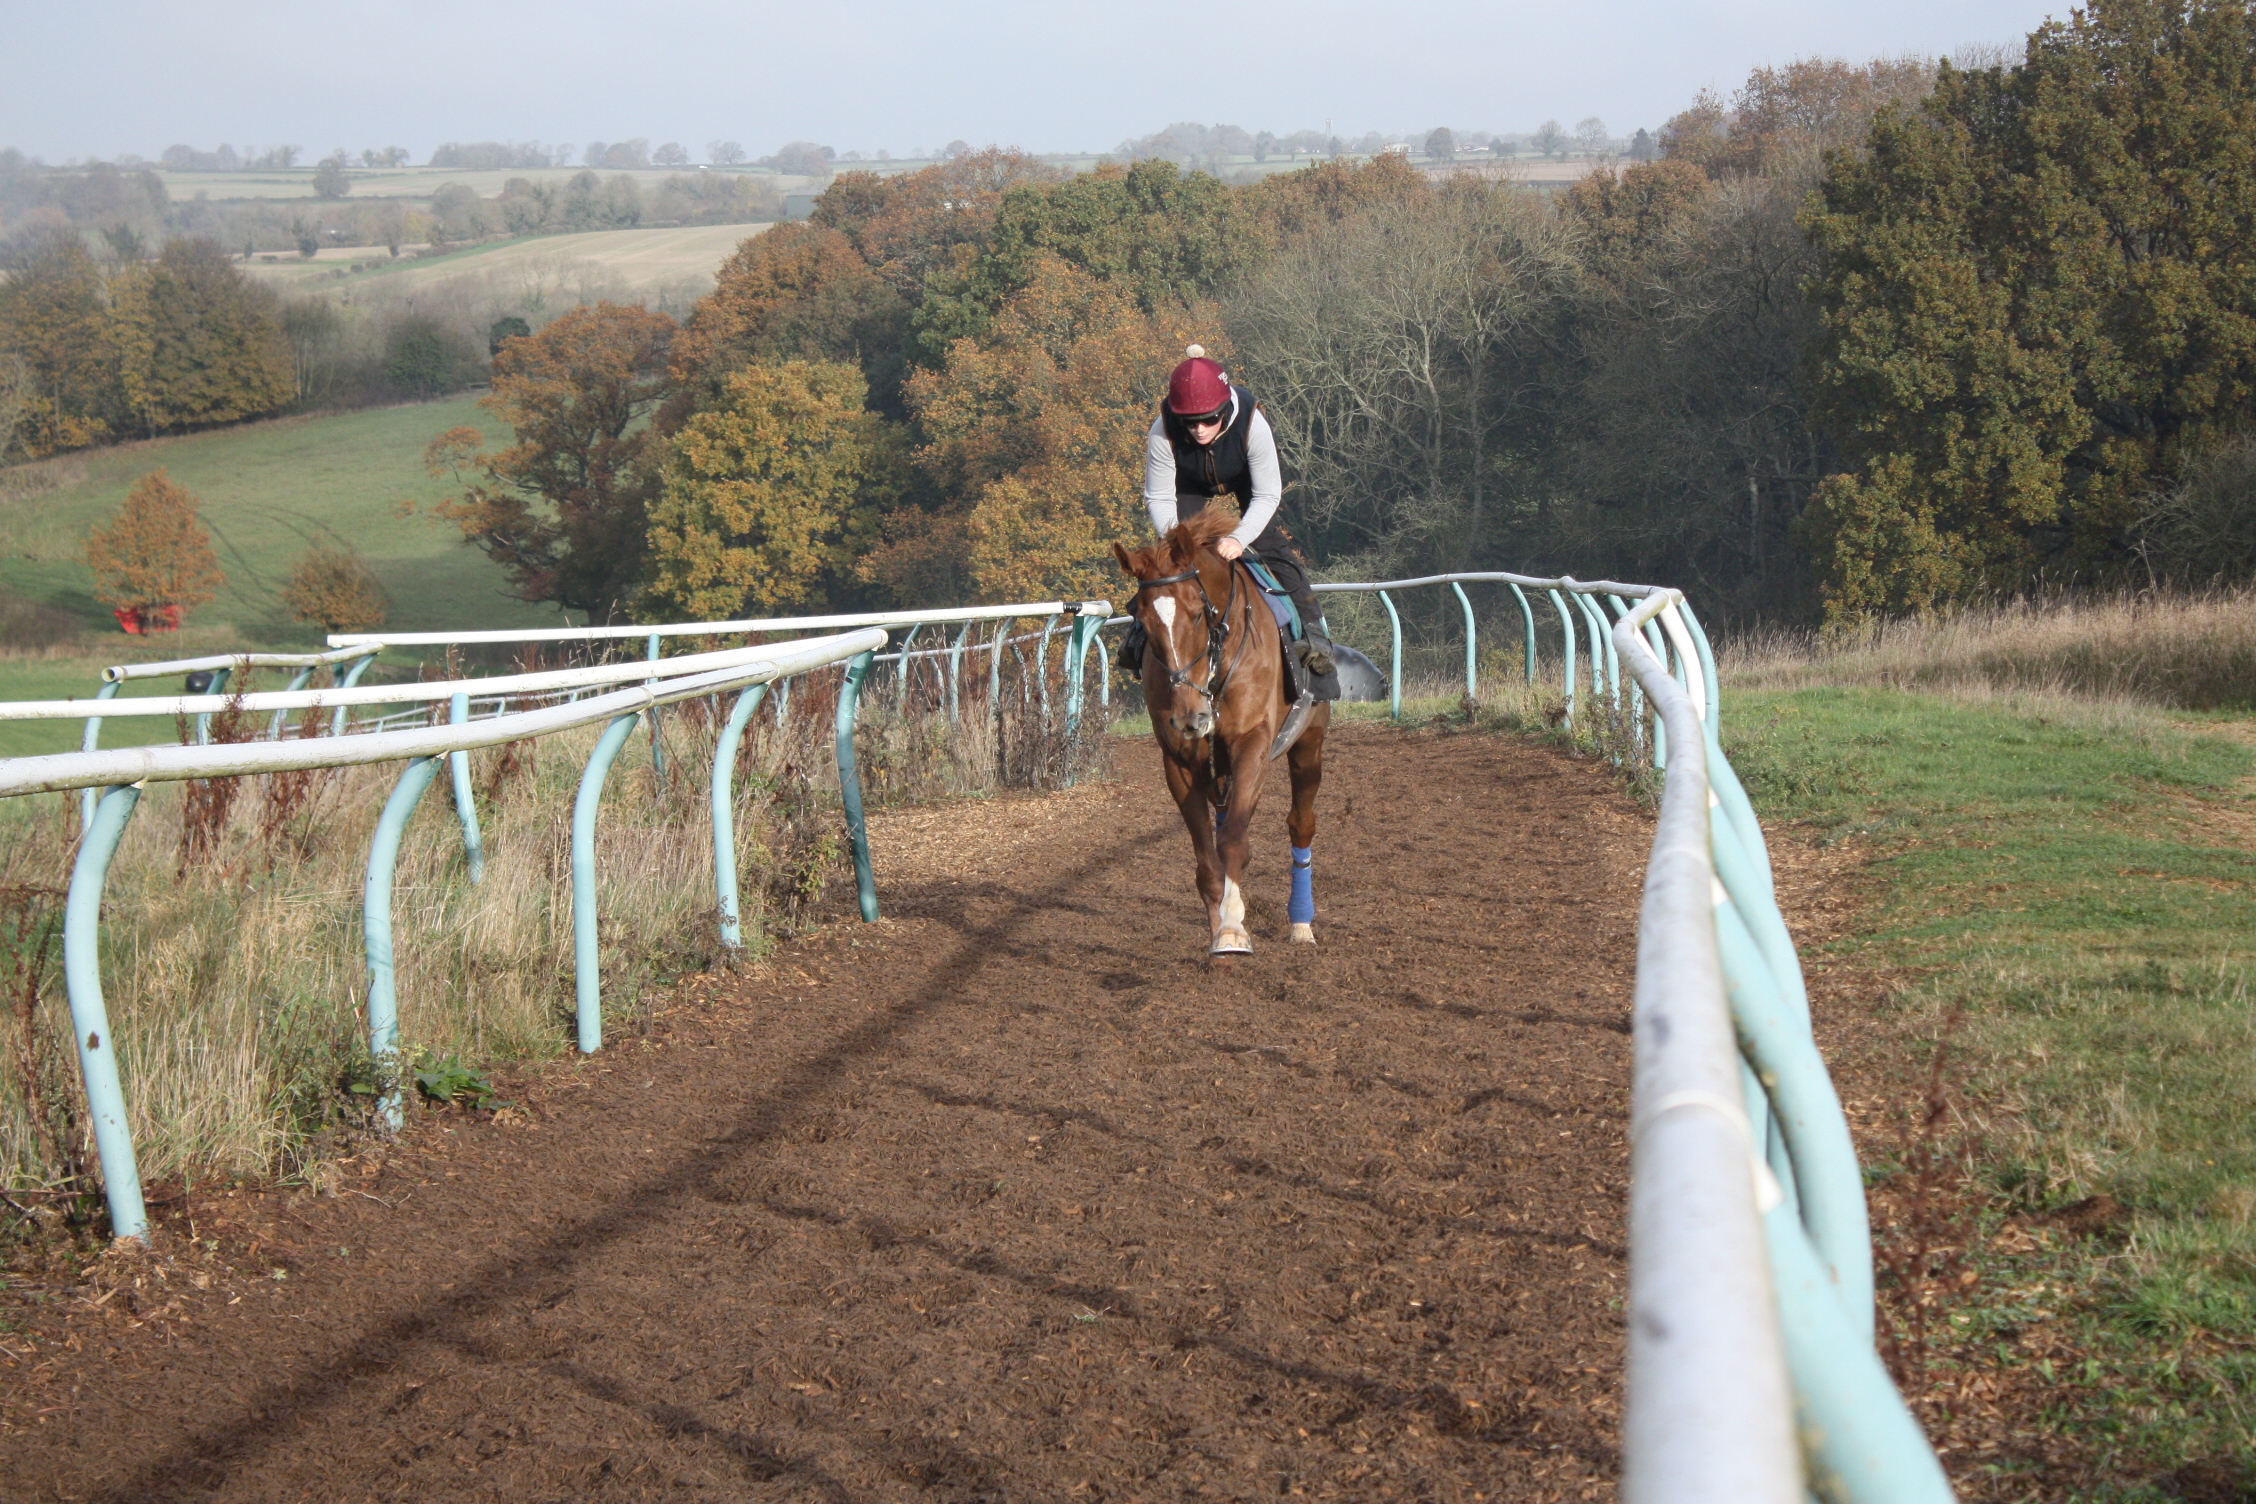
x=1472, y=671
x=901, y=679
x=724, y=813
x=1527, y=621
x=352, y=677
x=1077, y=669
x=466, y=802
x=1601, y=684
x=90, y=1019
x=995, y=671
x=657, y=743
x=587, y=960
x=86, y=743
x=1713, y=686
x=1104, y=671
x=850, y=781
x=585, y=952
x=376, y=929
x=1394, y=679
x=297, y=682
x=219, y=679
x=1621, y=608
x=1042, y=664
x=1566, y=625
x=955, y=672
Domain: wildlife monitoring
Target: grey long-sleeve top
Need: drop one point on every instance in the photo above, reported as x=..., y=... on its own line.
x=1261, y=458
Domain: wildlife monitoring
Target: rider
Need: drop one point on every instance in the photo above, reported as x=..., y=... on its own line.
x=1211, y=439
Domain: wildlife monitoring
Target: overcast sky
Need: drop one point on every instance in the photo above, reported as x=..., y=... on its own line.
x=137, y=76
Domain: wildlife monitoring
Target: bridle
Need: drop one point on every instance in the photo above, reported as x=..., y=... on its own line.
x=1217, y=637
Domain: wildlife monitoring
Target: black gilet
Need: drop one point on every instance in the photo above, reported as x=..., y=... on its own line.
x=1220, y=469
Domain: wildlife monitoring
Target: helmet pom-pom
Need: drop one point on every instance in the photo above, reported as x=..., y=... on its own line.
x=1194, y=351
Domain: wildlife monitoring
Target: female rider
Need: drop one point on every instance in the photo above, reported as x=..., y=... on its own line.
x=1212, y=439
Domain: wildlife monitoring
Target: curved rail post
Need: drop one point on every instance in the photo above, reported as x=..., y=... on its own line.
x=587, y=973
x=1472, y=671
x=297, y=681
x=1042, y=665
x=86, y=743
x=1621, y=609
x=90, y=1019
x=1566, y=625
x=465, y=802
x=901, y=678
x=724, y=813
x=850, y=781
x=1600, y=661
x=352, y=677
x=1527, y=620
x=955, y=671
x=376, y=929
x=1104, y=669
x=657, y=745
x=1394, y=679
x=219, y=678
x=995, y=671
x=1710, y=683
x=1077, y=669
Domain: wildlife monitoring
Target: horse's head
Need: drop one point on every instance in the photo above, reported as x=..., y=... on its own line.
x=1183, y=594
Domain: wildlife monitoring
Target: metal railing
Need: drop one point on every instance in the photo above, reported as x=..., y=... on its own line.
x=122, y=773
x=1753, y=1373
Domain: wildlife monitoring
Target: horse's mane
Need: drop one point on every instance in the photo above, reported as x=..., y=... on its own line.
x=1180, y=549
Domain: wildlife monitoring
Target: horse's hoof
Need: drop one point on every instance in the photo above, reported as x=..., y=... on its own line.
x=1304, y=934
x=1231, y=943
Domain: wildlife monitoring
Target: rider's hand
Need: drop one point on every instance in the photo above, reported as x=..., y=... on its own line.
x=1229, y=548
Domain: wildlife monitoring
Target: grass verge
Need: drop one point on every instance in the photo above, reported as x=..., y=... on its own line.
x=2061, y=896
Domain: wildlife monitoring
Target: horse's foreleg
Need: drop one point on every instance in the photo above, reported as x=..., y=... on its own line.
x=1306, y=762
x=1189, y=788
x=1234, y=843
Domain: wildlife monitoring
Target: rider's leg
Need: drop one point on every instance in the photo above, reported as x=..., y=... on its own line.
x=1276, y=549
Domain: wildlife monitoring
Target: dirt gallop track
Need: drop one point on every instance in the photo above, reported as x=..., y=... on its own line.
x=1005, y=1198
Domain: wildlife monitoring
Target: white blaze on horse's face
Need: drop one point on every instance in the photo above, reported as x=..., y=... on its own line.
x=1199, y=722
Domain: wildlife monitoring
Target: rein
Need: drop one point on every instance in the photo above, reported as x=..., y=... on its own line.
x=1217, y=635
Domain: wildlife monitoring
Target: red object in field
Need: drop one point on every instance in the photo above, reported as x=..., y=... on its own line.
x=140, y=619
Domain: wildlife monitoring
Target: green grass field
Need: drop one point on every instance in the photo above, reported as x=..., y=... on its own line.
x=268, y=492
x=2065, y=892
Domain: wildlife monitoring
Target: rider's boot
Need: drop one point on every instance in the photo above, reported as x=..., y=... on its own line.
x=1316, y=648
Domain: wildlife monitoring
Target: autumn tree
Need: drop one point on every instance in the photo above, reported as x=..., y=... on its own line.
x=197, y=342
x=334, y=589
x=798, y=292
x=155, y=559
x=54, y=324
x=2037, y=304
x=763, y=502
x=564, y=510
x=1036, y=432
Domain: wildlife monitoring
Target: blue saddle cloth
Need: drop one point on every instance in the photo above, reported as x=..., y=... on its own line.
x=1280, y=602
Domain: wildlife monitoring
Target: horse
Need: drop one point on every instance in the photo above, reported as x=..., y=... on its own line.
x=1222, y=709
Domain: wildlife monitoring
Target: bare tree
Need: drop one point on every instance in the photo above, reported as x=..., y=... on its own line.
x=1550, y=138
x=1390, y=346
x=1590, y=135
x=724, y=153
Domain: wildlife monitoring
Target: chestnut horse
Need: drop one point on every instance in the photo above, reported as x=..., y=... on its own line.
x=1222, y=710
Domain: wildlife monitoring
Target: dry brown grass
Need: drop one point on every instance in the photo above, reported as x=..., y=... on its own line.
x=2188, y=651
x=233, y=966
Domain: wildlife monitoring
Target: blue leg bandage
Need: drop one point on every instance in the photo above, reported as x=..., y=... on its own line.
x=1303, y=907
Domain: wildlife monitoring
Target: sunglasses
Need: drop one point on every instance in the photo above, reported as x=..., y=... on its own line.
x=1205, y=420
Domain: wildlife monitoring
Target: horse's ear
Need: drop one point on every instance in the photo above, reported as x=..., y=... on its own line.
x=1126, y=563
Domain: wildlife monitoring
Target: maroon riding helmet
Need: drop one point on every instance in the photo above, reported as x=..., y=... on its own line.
x=1199, y=391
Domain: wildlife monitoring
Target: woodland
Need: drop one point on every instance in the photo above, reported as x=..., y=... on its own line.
x=1858, y=341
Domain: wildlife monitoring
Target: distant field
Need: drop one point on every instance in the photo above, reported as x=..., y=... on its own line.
x=402, y=182
x=638, y=260
x=268, y=490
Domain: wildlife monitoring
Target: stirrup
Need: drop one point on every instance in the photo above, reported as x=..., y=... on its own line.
x=1296, y=721
x=1316, y=653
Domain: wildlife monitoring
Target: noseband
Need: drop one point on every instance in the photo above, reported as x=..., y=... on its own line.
x=1217, y=636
